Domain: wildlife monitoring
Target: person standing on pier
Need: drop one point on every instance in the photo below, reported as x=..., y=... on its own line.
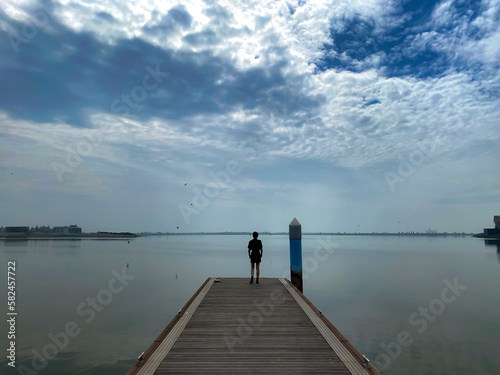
x=255, y=252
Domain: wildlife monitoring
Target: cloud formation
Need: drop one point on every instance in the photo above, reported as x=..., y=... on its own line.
x=181, y=87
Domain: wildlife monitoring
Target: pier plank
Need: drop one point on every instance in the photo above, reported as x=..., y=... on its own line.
x=233, y=327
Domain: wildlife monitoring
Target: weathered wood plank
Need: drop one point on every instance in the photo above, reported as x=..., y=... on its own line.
x=239, y=328
x=163, y=349
x=229, y=334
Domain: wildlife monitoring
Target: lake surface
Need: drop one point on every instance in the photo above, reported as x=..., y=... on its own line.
x=373, y=289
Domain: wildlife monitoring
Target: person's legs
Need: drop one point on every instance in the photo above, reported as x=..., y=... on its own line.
x=258, y=272
x=251, y=273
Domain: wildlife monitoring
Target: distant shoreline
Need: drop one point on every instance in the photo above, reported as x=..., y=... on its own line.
x=112, y=235
x=146, y=234
x=65, y=236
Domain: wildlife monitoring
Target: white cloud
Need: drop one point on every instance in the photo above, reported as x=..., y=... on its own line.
x=367, y=119
x=300, y=35
x=474, y=41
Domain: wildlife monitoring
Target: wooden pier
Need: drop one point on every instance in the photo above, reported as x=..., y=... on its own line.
x=232, y=327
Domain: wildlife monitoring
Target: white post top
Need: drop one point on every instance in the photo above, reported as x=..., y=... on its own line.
x=294, y=222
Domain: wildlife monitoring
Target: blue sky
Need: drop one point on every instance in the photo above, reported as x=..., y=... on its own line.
x=240, y=115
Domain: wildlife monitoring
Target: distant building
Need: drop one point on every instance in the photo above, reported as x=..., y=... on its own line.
x=42, y=229
x=493, y=231
x=72, y=229
x=17, y=229
x=60, y=230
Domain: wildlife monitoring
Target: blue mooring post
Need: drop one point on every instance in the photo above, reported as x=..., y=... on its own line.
x=295, y=234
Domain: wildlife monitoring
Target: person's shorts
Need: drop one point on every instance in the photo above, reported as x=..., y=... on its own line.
x=255, y=259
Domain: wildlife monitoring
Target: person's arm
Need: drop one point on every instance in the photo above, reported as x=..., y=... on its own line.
x=249, y=252
x=261, y=249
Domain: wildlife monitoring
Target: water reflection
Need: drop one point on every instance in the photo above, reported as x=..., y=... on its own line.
x=74, y=243
x=14, y=246
x=493, y=243
x=15, y=241
x=368, y=288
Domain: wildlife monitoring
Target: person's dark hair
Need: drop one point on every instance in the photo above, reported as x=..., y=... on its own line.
x=255, y=234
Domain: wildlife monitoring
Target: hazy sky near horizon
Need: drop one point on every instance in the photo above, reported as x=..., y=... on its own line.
x=350, y=115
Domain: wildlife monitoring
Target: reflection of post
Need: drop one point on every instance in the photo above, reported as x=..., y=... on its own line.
x=295, y=235
x=493, y=243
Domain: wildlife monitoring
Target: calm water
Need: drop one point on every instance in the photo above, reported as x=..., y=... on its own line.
x=369, y=288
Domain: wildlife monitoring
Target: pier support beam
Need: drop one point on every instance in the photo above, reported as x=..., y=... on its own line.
x=295, y=235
